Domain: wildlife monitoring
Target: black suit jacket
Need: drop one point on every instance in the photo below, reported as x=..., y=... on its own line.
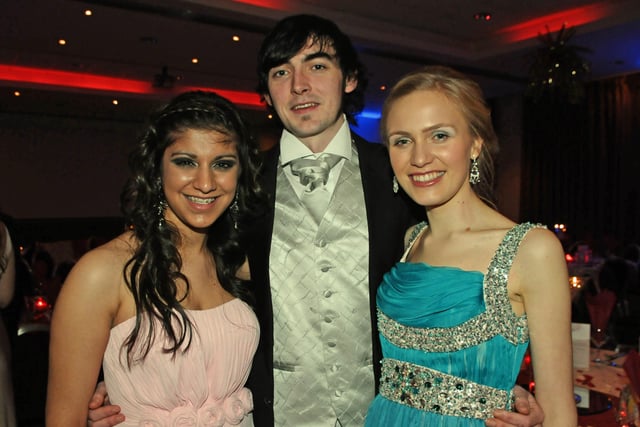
x=388, y=216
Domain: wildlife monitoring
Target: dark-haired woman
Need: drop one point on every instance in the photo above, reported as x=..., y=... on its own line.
x=163, y=306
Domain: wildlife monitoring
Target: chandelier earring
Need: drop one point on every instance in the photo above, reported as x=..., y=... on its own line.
x=234, y=211
x=474, y=174
x=396, y=187
x=161, y=206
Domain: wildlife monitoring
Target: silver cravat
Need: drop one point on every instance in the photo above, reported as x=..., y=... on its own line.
x=313, y=173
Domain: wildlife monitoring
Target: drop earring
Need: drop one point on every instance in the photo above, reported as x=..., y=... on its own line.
x=395, y=187
x=474, y=174
x=161, y=204
x=160, y=208
x=234, y=209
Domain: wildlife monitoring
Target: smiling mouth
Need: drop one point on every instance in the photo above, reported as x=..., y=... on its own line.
x=201, y=200
x=427, y=176
x=303, y=106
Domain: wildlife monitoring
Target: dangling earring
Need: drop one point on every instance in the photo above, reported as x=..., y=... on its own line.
x=396, y=187
x=234, y=210
x=161, y=204
x=474, y=175
x=160, y=208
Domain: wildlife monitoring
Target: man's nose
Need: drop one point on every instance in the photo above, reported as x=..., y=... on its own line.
x=300, y=82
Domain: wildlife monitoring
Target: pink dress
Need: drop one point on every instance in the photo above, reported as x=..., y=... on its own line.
x=203, y=387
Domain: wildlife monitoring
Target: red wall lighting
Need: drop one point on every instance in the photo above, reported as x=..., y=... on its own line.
x=94, y=82
x=553, y=22
x=267, y=4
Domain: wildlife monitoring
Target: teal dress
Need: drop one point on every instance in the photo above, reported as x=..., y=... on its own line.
x=452, y=346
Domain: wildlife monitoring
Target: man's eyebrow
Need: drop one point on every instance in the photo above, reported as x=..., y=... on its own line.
x=319, y=54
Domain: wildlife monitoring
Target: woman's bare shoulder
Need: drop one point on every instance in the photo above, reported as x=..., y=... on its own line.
x=540, y=260
x=104, y=264
x=540, y=242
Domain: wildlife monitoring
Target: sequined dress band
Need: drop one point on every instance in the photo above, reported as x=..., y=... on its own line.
x=434, y=391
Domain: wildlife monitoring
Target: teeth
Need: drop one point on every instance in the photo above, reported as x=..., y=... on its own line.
x=200, y=200
x=427, y=177
x=298, y=107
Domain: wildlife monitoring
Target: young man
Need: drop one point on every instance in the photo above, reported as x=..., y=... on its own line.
x=315, y=279
x=315, y=274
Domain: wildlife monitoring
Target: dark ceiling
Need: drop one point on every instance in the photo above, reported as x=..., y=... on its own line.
x=135, y=39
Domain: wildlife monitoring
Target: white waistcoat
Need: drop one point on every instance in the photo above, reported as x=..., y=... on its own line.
x=322, y=325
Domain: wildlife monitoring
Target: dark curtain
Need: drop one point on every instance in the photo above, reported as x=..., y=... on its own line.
x=581, y=163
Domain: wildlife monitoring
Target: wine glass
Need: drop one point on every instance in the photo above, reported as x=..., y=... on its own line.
x=600, y=307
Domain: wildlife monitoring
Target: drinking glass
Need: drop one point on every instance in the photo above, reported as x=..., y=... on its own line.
x=600, y=307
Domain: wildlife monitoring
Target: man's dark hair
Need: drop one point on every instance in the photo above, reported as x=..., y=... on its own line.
x=292, y=34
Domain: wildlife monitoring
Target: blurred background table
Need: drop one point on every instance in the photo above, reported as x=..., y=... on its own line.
x=604, y=381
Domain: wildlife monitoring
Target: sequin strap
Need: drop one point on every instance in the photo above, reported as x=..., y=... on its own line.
x=415, y=233
x=434, y=391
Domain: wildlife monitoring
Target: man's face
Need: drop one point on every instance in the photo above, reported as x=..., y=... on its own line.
x=306, y=93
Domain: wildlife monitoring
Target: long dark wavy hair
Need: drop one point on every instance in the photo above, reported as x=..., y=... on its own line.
x=292, y=34
x=153, y=272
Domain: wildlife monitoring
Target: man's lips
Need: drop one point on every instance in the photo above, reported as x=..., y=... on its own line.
x=304, y=106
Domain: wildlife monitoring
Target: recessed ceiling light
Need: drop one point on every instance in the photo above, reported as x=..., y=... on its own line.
x=114, y=102
x=383, y=87
x=88, y=12
x=482, y=16
x=16, y=93
x=62, y=42
x=194, y=60
x=235, y=38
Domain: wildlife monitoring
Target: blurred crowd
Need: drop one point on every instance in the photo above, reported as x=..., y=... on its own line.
x=31, y=276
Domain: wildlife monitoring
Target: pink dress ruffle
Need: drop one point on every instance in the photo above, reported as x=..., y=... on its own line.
x=203, y=387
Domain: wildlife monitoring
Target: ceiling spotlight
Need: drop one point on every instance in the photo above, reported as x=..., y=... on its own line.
x=114, y=102
x=16, y=93
x=62, y=42
x=88, y=12
x=383, y=87
x=482, y=16
x=235, y=38
x=194, y=60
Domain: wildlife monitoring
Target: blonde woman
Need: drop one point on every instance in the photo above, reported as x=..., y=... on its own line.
x=473, y=289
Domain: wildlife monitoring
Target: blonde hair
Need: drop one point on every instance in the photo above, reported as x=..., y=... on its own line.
x=467, y=95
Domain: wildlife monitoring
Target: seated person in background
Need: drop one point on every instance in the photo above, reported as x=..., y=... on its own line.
x=62, y=271
x=620, y=277
x=43, y=267
x=631, y=253
x=615, y=285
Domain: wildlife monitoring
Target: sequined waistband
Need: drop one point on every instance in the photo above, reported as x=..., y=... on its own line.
x=434, y=391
